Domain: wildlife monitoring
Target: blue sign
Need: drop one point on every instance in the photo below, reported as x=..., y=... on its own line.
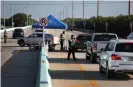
x=84, y=23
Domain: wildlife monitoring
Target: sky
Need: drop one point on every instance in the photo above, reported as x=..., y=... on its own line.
x=44, y=8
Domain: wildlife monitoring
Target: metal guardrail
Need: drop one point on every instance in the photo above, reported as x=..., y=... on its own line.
x=83, y=30
x=43, y=75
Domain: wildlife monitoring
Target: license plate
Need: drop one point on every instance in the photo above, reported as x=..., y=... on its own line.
x=130, y=58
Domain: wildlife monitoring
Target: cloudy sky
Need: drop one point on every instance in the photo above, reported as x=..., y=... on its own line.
x=44, y=8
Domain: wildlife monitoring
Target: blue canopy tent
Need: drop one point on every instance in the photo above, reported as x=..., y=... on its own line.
x=53, y=23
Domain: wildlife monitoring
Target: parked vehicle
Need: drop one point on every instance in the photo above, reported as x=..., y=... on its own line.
x=81, y=40
x=18, y=33
x=2, y=27
x=130, y=36
x=37, y=39
x=98, y=41
x=117, y=56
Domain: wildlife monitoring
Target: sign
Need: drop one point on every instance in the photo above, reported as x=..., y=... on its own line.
x=131, y=24
x=43, y=21
x=84, y=23
x=73, y=24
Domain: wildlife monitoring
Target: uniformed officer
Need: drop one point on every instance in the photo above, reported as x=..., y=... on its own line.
x=62, y=39
x=71, y=48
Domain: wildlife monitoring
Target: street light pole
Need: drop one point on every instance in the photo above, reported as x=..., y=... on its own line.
x=27, y=13
x=97, y=8
x=106, y=24
x=129, y=7
x=94, y=28
x=131, y=26
x=72, y=13
x=12, y=16
x=4, y=12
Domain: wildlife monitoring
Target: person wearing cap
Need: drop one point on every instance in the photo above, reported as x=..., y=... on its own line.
x=71, y=48
x=62, y=39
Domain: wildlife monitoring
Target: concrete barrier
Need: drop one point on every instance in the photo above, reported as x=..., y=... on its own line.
x=43, y=75
x=11, y=29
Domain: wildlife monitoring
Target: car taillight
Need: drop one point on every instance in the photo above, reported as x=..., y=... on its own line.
x=52, y=38
x=77, y=41
x=95, y=46
x=115, y=57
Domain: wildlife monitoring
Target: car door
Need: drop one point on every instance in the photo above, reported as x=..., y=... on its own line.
x=29, y=39
x=105, y=54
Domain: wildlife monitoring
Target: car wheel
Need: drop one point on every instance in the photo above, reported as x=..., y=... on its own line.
x=109, y=73
x=100, y=68
x=87, y=57
x=21, y=44
x=93, y=58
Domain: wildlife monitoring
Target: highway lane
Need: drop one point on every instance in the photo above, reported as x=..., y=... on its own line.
x=82, y=73
x=18, y=64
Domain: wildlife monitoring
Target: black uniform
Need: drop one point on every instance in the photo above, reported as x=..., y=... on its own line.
x=71, y=49
x=5, y=37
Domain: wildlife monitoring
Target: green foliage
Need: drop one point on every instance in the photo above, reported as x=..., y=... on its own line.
x=118, y=24
x=19, y=20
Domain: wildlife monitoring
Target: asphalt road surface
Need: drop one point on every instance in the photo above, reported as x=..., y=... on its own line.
x=82, y=73
x=18, y=64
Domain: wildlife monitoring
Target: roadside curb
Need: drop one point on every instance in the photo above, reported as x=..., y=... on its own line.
x=43, y=75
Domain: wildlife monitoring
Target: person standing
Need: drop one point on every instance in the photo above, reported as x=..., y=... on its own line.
x=71, y=48
x=62, y=39
x=5, y=36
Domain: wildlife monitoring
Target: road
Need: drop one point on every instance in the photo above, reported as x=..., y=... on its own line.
x=19, y=67
x=81, y=73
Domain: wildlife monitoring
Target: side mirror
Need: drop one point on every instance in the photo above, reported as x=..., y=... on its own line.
x=102, y=49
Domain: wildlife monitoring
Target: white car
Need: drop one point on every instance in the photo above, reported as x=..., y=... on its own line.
x=37, y=39
x=116, y=57
x=130, y=36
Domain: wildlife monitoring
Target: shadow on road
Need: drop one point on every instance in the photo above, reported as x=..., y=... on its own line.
x=71, y=61
x=79, y=51
x=84, y=75
x=20, y=69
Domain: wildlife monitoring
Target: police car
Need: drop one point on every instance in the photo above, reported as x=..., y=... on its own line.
x=117, y=56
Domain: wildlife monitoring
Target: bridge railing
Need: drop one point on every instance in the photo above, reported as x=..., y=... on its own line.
x=43, y=74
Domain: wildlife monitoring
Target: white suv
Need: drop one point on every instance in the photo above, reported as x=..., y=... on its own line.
x=116, y=57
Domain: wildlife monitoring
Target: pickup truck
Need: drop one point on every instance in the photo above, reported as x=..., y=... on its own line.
x=98, y=41
x=37, y=39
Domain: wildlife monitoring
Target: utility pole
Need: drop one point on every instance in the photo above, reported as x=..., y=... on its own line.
x=83, y=9
x=67, y=14
x=63, y=13
x=97, y=8
x=129, y=7
x=27, y=13
x=4, y=12
x=72, y=13
x=12, y=16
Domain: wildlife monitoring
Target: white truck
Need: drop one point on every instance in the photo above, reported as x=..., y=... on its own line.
x=98, y=41
x=37, y=39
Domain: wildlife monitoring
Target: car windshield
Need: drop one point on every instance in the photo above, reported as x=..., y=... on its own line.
x=84, y=37
x=124, y=47
x=38, y=30
x=46, y=35
x=18, y=30
x=104, y=37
